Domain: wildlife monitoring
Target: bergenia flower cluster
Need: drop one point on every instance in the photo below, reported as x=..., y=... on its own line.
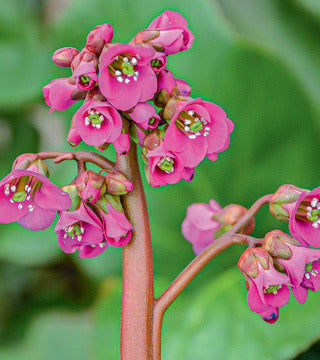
x=91, y=216
x=119, y=82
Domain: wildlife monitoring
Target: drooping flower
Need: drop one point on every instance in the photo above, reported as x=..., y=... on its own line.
x=159, y=62
x=126, y=76
x=268, y=288
x=97, y=123
x=60, y=94
x=91, y=186
x=197, y=129
x=86, y=75
x=204, y=223
x=167, y=33
x=122, y=144
x=31, y=199
x=80, y=230
x=296, y=260
x=145, y=116
x=98, y=37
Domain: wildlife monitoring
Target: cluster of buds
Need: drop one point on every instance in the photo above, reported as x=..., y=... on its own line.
x=91, y=216
x=205, y=223
x=271, y=270
x=116, y=81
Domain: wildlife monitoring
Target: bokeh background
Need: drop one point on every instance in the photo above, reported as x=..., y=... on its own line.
x=260, y=61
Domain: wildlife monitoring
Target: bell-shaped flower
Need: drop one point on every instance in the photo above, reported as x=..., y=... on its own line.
x=267, y=286
x=126, y=76
x=97, y=123
x=31, y=199
x=197, y=128
x=81, y=230
x=91, y=186
x=296, y=260
x=145, y=116
x=86, y=75
x=98, y=37
x=167, y=33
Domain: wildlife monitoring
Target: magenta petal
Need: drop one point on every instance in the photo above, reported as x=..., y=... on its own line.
x=279, y=299
x=271, y=315
x=87, y=251
x=38, y=219
x=9, y=212
x=147, y=83
x=121, y=240
x=300, y=293
x=254, y=301
x=52, y=197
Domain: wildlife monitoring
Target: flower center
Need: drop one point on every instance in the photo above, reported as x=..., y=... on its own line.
x=273, y=289
x=94, y=118
x=166, y=164
x=123, y=67
x=192, y=124
x=309, y=210
x=21, y=190
x=309, y=272
x=85, y=79
x=75, y=230
x=156, y=63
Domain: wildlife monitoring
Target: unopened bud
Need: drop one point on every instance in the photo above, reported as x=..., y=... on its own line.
x=30, y=162
x=91, y=186
x=251, y=258
x=276, y=243
x=71, y=189
x=98, y=37
x=117, y=183
x=64, y=56
x=284, y=200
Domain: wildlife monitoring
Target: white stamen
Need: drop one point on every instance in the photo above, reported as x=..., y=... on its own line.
x=276, y=292
x=127, y=81
x=186, y=128
x=190, y=112
x=204, y=122
x=187, y=122
x=87, y=121
x=101, y=245
x=120, y=79
x=136, y=73
x=101, y=117
x=309, y=214
x=205, y=134
x=7, y=186
x=13, y=188
x=7, y=192
x=12, y=202
x=65, y=236
x=196, y=119
x=307, y=276
x=198, y=133
x=135, y=78
x=70, y=228
x=125, y=59
x=94, y=125
x=314, y=272
x=207, y=128
x=134, y=61
x=26, y=188
x=314, y=202
x=93, y=246
x=192, y=136
x=315, y=225
x=98, y=126
x=118, y=72
x=28, y=197
x=20, y=206
x=91, y=112
x=82, y=230
x=29, y=189
x=309, y=208
x=117, y=57
x=79, y=238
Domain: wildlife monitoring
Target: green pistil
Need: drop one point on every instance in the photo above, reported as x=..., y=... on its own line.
x=166, y=165
x=272, y=289
x=308, y=267
x=84, y=79
x=314, y=215
x=19, y=196
x=152, y=120
x=76, y=231
x=127, y=68
x=155, y=63
x=196, y=126
x=95, y=119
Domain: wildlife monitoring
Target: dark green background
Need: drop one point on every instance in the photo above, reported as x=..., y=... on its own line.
x=259, y=60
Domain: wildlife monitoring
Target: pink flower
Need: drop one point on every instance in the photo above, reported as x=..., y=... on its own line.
x=117, y=183
x=311, y=278
x=80, y=230
x=267, y=286
x=59, y=94
x=145, y=116
x=199, y=226
x=126, y=76
x=183, y=87
x=117, y=227
x=197, y=128
x=165, y=167
x=159, y=62
x=91, y=186
x=64, y=56
x=86, y=75
x=304, y=221
x=98, y=37
x=167, y=33
x=31, y=199
x=97, y=123
x=295, y=259
x=122, y=144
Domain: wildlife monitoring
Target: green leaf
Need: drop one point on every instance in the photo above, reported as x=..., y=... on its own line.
x=216, y=323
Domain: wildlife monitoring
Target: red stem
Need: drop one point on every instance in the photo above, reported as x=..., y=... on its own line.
x=137, y=285
x=189, y=273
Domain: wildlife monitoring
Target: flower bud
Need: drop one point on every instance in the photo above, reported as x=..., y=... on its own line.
x=251, y=258
x=64, y=56
x=276, y=243
x=117, y=183
x=91, y=186
x=98, y=37
x=284, y=200
x=71, y=189
x=30, y=162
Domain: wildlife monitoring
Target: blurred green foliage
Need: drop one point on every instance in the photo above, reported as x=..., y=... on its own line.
x=259, y=60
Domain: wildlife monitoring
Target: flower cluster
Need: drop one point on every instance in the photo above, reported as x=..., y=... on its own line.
x=281, y=263
x=117, y=81
x=91, y=216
